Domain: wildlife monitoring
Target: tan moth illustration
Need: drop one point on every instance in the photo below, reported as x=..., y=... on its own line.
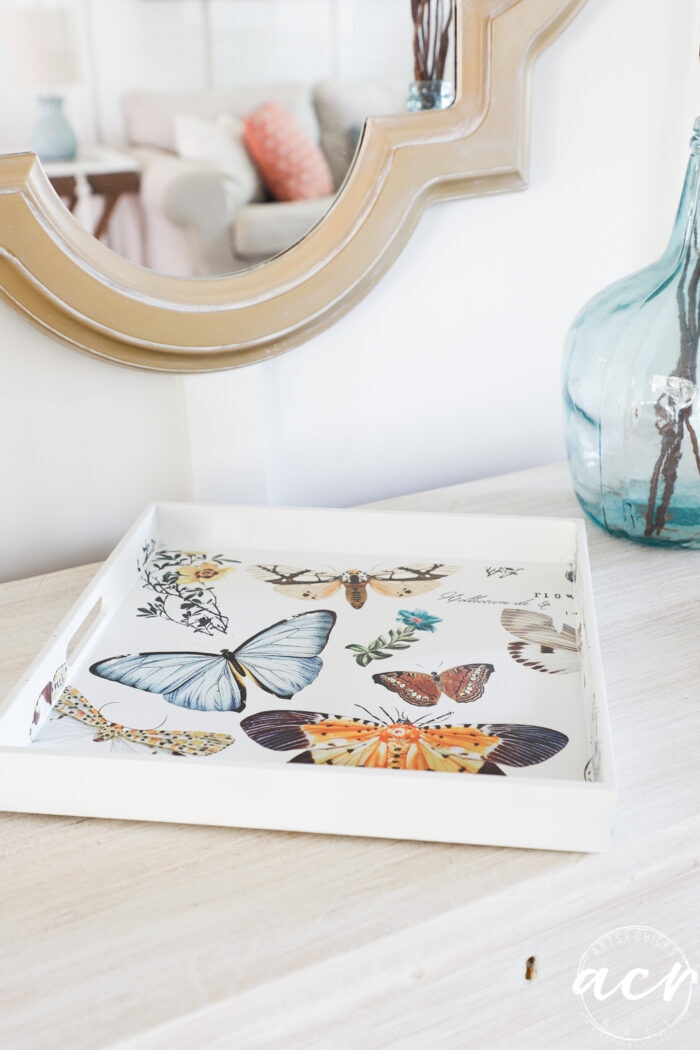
x=403, y=581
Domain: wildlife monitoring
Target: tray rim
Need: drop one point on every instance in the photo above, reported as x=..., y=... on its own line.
x=604, y=789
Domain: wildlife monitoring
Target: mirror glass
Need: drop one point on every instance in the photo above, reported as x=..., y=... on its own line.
x=202, y=137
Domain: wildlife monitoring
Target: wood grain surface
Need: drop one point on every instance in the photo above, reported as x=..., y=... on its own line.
x=133, y=935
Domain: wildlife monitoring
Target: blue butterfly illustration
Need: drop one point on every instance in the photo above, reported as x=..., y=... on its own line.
x=282, y=659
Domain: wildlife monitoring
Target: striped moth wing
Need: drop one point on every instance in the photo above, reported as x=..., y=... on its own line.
x=540, y=646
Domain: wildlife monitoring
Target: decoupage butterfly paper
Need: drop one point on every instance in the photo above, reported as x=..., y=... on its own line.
x=463, y=683
x=282, y=660
x=182, y=584
x=399, y=743
x=382, y=647
x=541, y=646
x=46, y=699
x=310, y=585
x=73, y=705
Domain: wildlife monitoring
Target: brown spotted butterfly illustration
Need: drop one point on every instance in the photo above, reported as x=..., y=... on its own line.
x=463, y=683
x=311, y=585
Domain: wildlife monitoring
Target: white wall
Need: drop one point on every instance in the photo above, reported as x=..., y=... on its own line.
x=85, y=446
x=448, y=370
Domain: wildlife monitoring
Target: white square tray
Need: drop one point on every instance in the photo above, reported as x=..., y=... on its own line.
x=510, y=606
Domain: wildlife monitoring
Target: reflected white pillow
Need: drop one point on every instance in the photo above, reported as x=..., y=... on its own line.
x=219, y=143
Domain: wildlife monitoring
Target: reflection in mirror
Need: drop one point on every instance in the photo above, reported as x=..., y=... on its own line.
x=201, y=137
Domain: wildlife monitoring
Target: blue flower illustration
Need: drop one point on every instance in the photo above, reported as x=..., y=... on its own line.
x=419, y=619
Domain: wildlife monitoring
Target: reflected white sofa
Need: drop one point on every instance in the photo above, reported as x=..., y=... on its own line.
x=193, y=220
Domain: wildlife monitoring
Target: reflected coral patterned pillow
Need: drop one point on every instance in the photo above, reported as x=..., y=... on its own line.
x=291, y=166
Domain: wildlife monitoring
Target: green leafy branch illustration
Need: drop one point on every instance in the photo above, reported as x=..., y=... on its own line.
x=383, y=646
x=179, y=580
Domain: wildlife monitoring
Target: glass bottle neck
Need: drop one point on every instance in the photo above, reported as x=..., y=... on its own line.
x=685, y=236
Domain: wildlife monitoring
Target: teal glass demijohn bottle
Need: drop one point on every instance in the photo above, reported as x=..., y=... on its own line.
x=630, y=391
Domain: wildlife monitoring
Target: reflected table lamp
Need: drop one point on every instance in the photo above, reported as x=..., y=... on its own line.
x=41, y=46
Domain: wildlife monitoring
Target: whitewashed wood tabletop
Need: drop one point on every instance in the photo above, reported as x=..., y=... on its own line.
x=118, y=935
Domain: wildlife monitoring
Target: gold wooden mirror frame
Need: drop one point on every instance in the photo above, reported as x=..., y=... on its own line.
x=63, y=280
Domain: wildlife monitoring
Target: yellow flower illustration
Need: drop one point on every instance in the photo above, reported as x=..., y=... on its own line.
x=206, y=570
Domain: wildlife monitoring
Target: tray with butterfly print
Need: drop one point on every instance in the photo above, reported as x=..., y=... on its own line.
x=326, y=671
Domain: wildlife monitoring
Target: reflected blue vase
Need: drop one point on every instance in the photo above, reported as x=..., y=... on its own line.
x=631, y=395
x=429, y=94
x=53, y=138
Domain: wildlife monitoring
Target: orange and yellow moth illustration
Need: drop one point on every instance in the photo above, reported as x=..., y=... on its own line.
x=399, y=743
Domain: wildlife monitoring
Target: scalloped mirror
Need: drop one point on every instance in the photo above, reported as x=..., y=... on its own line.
x=236, y=207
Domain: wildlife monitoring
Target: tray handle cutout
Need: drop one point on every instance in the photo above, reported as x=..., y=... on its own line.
x=87, y=628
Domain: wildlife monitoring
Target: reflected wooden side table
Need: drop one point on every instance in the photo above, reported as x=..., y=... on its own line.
x=97, y=171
